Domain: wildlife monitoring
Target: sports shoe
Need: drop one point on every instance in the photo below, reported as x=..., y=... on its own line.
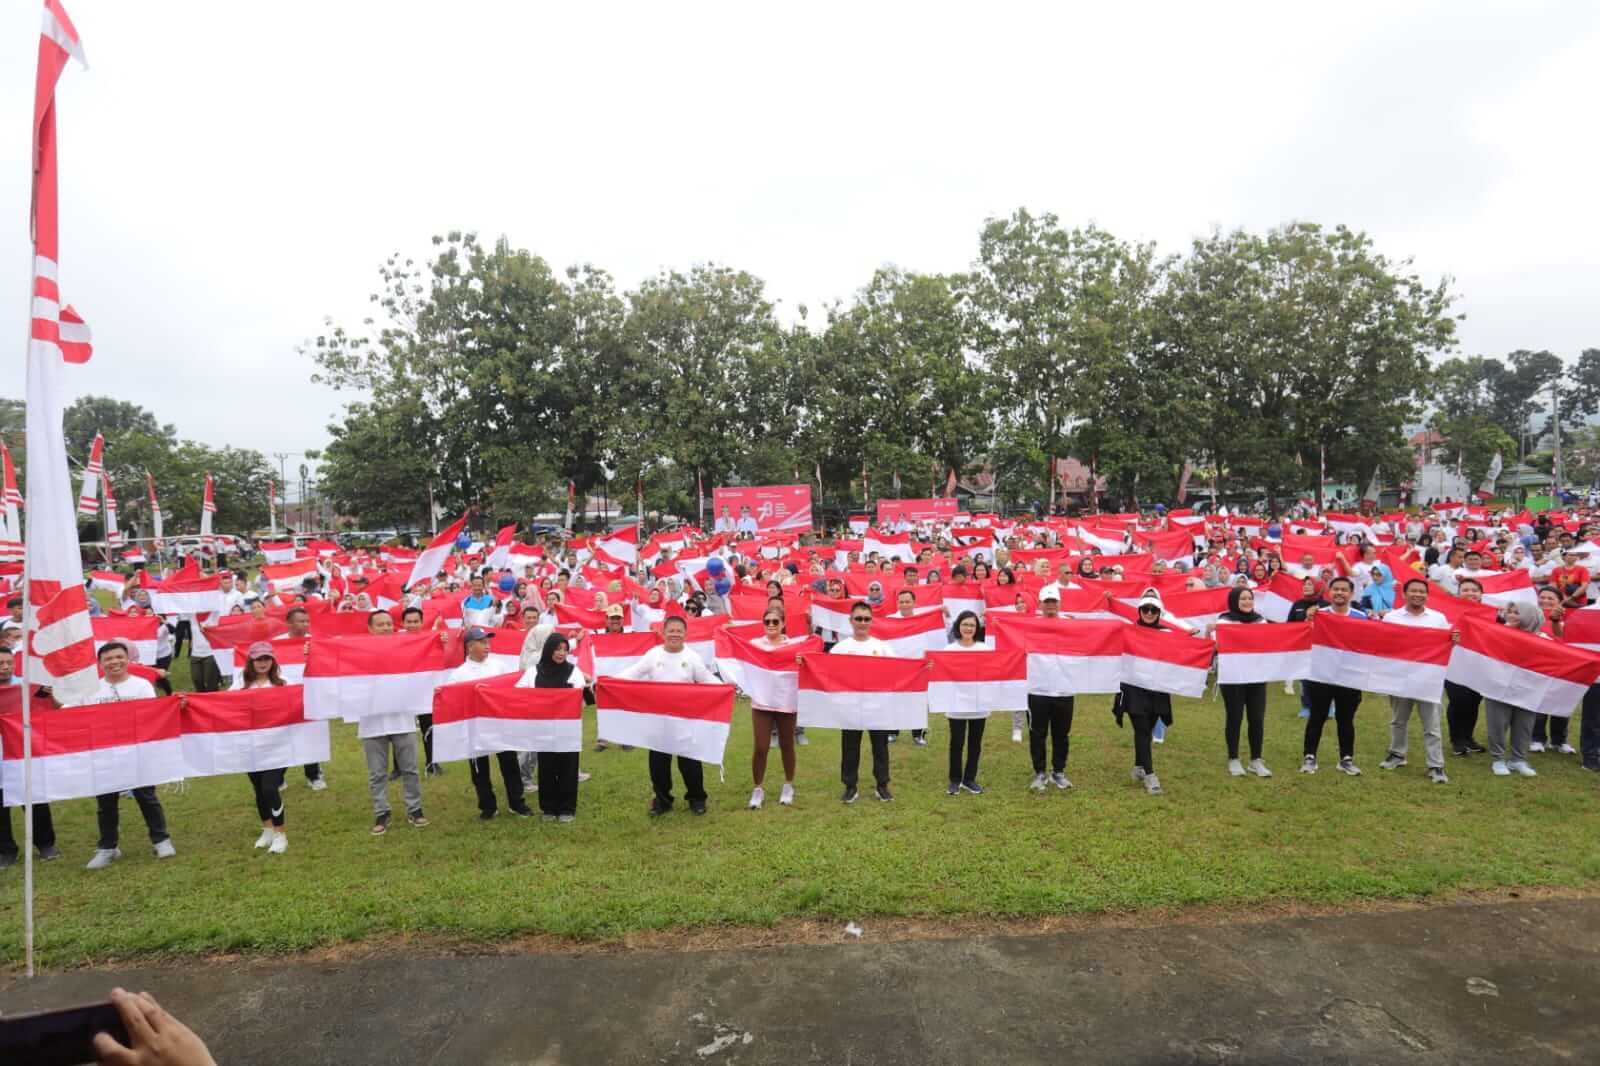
x=1536, y=746
x=657, y=808
x=551, y=817
x=894, y=736
x=1460, y=751
x=1039, y=782
x=1016, y=735
x=953, y=789
x=49, y=853
x=697, y=806
x=849, y=795
x=599, y=745
x=1522, y=768
x=1308, y=765
x=522, y=812
x=165, y=849
x=1348, y=765
x=1392, y=762
x=280, y=844
x=883, y=793
x=1235, y=768
x=919, y=739
x=1499, y=768
x=417, y=819
x=1138, y=774
x=1592, y=765
x=1152, y=785
x=486, y=816
x=104, y=857
x=1304, y=713
x=1059, y=779
x=582, y=777
x=566, y=819
x=319, y=784
x=972, y=787
x=1567, y=749
x=786, y=797
x=800, y=737
x=380, y=825
x=1259, y=768
x=758, y=796
x=1476, y=748
x=264, y=839
x=435, y=770
x=1436, y=774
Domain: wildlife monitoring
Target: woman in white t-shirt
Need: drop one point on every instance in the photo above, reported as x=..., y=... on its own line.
x=965, y=635
x=767, y=720
x=261, y=671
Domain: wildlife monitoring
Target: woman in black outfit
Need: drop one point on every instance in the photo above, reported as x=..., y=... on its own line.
x=1247, y=701
x=1143, y=708
x=558, y=770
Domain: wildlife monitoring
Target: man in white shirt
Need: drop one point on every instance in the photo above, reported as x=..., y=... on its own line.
x=117, y=686
x=862, y=642
x=672, y=661
x=382, y=733
x=1416, y=612
x=476, y=667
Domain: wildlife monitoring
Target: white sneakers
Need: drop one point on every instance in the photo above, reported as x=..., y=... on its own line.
x=104, y=857
x=280, y=843
x=1567, y=749
x=1040, y=781
x=165, y=850
x=1016, y=735
x=318, y=784
x=265, y=839
x=1499, y=769
x=758, y=796
x=1152, y=785
x=1536, y=746
x=1235, y=768
x=1520, y=767
x=1259, y=768
x=786, y=797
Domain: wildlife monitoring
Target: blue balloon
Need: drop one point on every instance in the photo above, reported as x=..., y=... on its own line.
x=1274, y=532
x=507, y=583
x=722, y=586
x=463, y=542
x=714, y=567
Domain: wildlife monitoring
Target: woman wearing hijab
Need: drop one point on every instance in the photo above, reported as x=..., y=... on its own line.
x=1378, y=599
x=1247, y=701
x=558, y=770
x=1144, y=709
x=1501, y=718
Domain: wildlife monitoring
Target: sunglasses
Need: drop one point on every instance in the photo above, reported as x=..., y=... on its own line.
x=773, y=621
x=863, y=619
x=1149, y=610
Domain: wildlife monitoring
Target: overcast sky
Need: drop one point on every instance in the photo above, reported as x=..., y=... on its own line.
x=231, y=174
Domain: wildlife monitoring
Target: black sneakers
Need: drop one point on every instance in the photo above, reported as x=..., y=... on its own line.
x=849, y=795
x=883, y=793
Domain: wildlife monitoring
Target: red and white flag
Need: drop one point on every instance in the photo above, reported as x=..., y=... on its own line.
x=137, y=632
x=958, y=598
x=1065, y=655
x=1522, y=669
x=93, y=471
x=10, y=513
x=910, y=638
x=277, y=551
x=473, y=718
x=208, y=508
x=831, y=615
x=863, y=692
x=113, y=533
x=182, y=594
x=134, y=556
x=608, y=654
x=769, y=676
x=1247, y=654
x=1109, y=541
x=889, y=546
x=155, y=505
x=1164, y=660
x=971, y=684
x=1581, y=628
x=109, y=580
x=1276, y=597
x=500, y=554
x=290, y=652
x=432, y=558
x=93, y=749
x=286, y=577
x=354, y=677
x=1177, y=546
x=622, y=545
x=250, y=729
x=1511, y=586
x=1394, y=660
x=667, y=716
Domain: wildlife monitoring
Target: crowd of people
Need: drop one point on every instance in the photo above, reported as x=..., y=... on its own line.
x=559, y=591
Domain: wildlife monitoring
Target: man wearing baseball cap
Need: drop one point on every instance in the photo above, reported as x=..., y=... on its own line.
x=477, y=667
x=1049, y=714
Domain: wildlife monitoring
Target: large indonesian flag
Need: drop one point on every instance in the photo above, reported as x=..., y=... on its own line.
x=667, y=716
x=138, y=632
x=94, y=749
x=1163, y=660
x=622, y=545
x=1582, y=628
x=353, y=677
x=863, y=692
x=970, y=684
x=500, y=555
x=286, y=577
x=250, y=729
x=473, y=718
x=1512, y=586
x=184, y=595
x=432, y=558
x=910, y=637
x=1247, y=654
x=1065, y=655
x=1523, y=669
x=1395, y=660
x=277, y=551
x=769, y=676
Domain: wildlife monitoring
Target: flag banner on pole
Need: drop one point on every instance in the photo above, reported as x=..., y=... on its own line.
x=286, y=577
x=1164, y=660
x=184, y=595
x=1247, y=654
x=353, y=677
x=432, y=558
x=1066, y=656
x=250, y=729
x=208, y=508
x=971, y=684
x=10, y=511
x=500, y=555
x=137, y=632
x=622, y=545
x=277, y=551
x=1523, y=669
x=93, y=749
x=863, y=692
x=608, y=654
x=89, y=495
x=484, y=717
x=1512, y=586
x=113, y=533
x=1404, y=661
x=109, y=580
x=769, y=676
x=289, y=651
x=667, y=716
x=910, y=637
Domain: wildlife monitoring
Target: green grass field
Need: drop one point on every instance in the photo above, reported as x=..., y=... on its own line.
x=1104, y=846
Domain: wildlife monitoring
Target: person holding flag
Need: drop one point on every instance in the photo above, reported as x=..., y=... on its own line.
x=1144, y=708
x=1416, y=612
x=1049, y=714
x=382, y=734
x=1320, y=697
x=965, y=635
x=261, y=671
x=475, y=667
x=1246, y=701
x=116, y=686
x=558, y=770
x=1502, y=718
x=862, y=642
x=44, y=827
x=671, y=661
x=773, y=721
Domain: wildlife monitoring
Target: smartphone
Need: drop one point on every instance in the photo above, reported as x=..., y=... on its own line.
x=59, y=1037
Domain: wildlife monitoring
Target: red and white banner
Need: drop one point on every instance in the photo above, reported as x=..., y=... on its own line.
x=1177, y=546
x=277, y=551
x=1276, y=597
x=1066, y=656
x=863, y=692
x=1394, y=660
x=608, y=654
x=94, y=749
x=1523, y=669
x=289, y=651
x=1247, y=654
x=672, y=717
x=910, y=638
x=958, y=598
x=109, y=580
x=761, y=508
x=971, y=684
x=286, y=577
x=896, y=546
x=182, y=595
x=769, y=676
x=931, y=510
x=1109, y=541
x=1582, y=628
x=473, y=718
x=500, y=555
x=432, y=558
x=93, y=471
x=250, y=729
x=622, y=545
x=1164, y=660
x=1512, y=586
x=139, y=633
x=831, y=615
x=353, y=677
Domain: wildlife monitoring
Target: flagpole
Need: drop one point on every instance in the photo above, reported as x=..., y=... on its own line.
x=29, y=620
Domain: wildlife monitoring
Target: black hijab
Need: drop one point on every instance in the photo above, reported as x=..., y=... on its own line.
x=1233, y=614
x=549, y=673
